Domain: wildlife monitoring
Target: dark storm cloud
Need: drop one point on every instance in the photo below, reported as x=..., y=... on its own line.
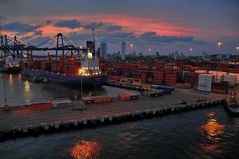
x=72, y=24
x=19, y=27
x=153, y=37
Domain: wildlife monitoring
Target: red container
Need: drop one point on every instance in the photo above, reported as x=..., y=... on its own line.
x=40, y=106
x=101, y=99
x=125, y=97
x=221, y=87
x=170, y=78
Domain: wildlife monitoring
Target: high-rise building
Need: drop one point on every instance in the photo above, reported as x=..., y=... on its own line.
x=103, y=50
x=123, y=50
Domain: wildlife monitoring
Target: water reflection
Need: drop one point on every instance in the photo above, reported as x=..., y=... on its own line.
x=19, y=78
x=27, y=89
x=10, y=79
x=212, y=130
x=85, y=150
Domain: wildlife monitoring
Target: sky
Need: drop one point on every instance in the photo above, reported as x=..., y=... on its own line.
x=165, y=26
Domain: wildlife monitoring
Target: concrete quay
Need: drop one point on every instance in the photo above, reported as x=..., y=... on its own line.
x=22, y=123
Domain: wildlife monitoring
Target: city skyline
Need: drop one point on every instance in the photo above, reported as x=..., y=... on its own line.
x=158, y=26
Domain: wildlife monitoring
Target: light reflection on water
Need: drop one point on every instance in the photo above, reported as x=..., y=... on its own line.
x=85, y=150
x=10, y=79
x=20, y=91
x=213, y=131
x=27, y=89
x=182, y=136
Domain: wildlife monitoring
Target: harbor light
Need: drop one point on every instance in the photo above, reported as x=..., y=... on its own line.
x=219, y=44
x=237, y=48
x=190, y=50
x=90, y=55
x=81, y=71
x=149, y=49
x=131, y=45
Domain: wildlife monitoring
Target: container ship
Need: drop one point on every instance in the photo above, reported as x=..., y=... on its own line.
x=66, y=70
x=10, y=64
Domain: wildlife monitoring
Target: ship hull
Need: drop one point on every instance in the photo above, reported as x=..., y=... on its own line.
x=65, y=79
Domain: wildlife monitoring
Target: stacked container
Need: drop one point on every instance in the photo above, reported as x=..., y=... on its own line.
x=220, y=87
x=205, y=82
x=230, y=79
x=170, y=78
x=55, y=66
x=158, y=76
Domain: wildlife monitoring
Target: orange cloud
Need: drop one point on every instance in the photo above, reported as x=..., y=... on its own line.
x=50, y=30
x=137, y=25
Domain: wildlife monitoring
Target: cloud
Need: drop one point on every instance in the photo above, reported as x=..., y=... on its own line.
x=92, y=25
x=48, y=22
x=19, y=27
x=114, y=28
x=2, y=18
x=72, y=24
x=153, y=37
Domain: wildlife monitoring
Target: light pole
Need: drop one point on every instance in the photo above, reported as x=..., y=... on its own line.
x=219, y=45
x=190, y=51
x=237, y=48
x=131, y=48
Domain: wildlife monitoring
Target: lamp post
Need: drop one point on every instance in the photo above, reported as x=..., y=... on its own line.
x=131, y=45
x=219, y=45
x=237, y=48
x=190, y=51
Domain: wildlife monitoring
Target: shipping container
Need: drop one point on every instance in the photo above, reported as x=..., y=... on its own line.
x=220, y=87
x=205, y=82
x=125, y=97
x=230, y=79
x=170, y=78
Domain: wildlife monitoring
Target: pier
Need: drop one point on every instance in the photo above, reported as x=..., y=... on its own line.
x=22, y=123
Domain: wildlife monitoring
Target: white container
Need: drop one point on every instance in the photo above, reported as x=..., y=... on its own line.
x=231, y=80
x=205, y=82
x=62, y=102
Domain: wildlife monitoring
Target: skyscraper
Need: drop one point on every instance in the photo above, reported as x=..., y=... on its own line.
x=123, y=50
x=103, y=50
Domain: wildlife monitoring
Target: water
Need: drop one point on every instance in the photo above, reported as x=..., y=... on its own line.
x=20, y=91
x=201, y=134
x=207, y=134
